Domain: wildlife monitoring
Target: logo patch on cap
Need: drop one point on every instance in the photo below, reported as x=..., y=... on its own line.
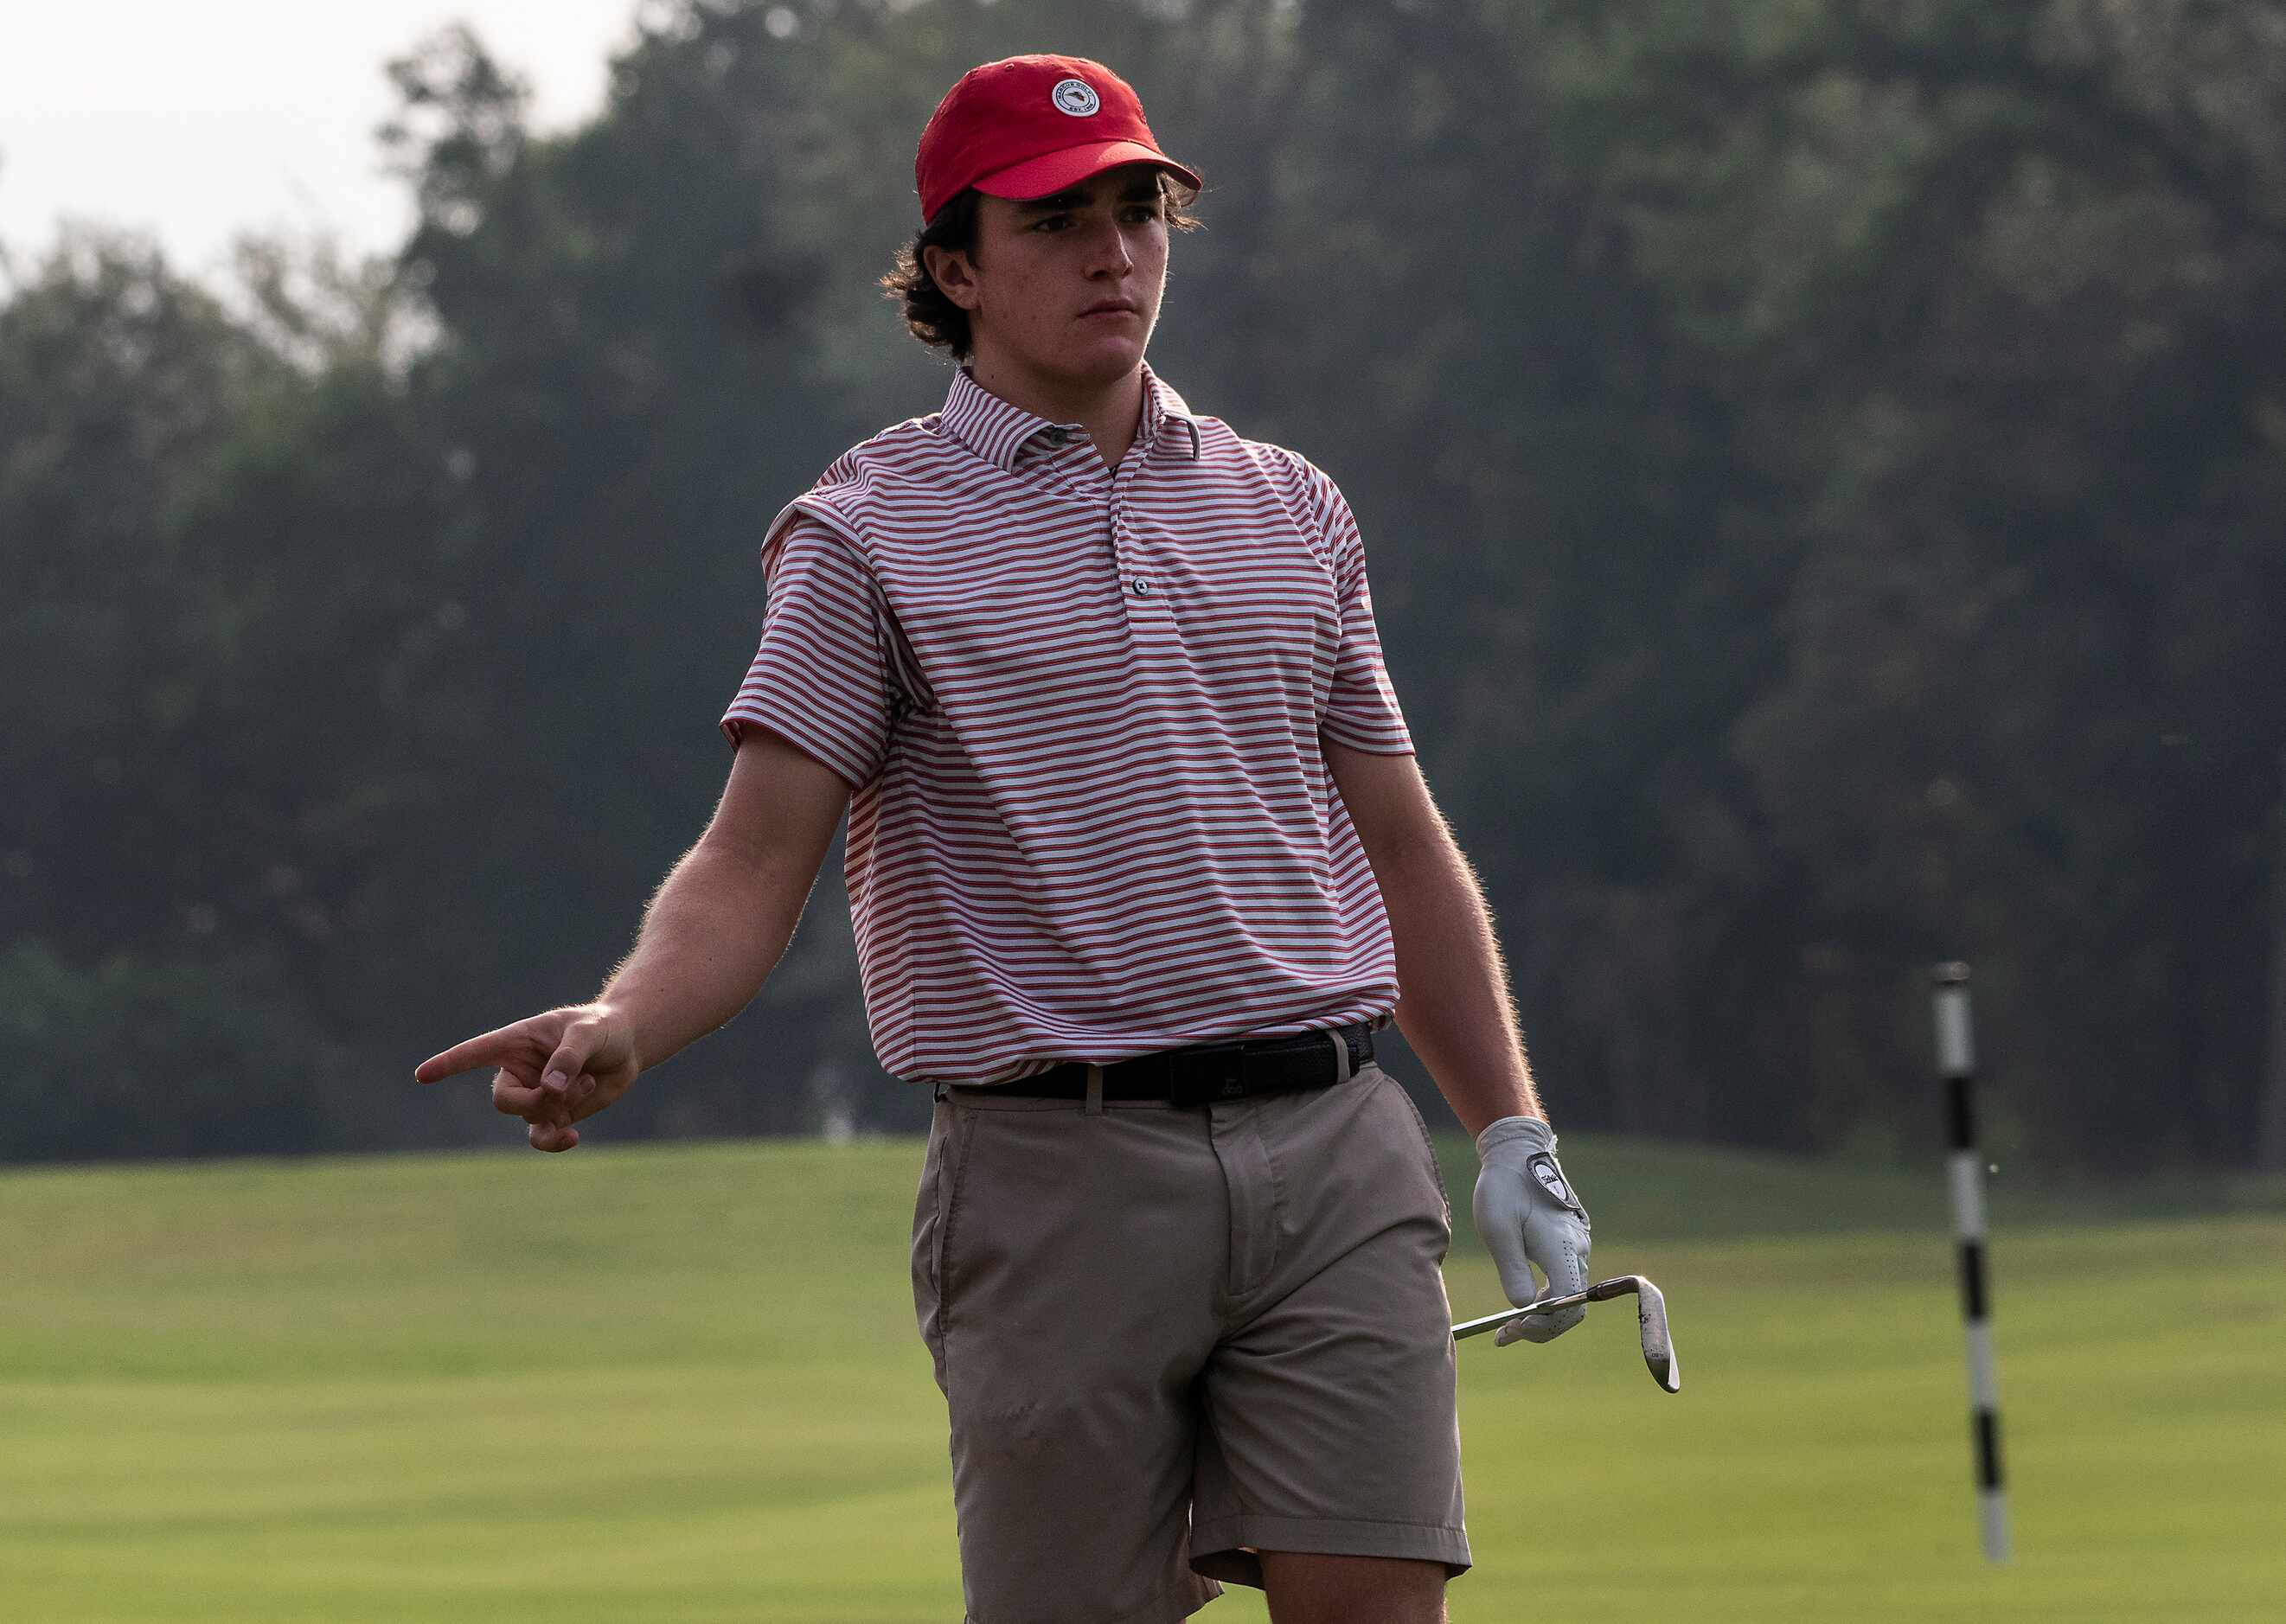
x=1075, y=96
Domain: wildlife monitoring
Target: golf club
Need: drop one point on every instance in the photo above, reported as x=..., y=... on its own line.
x=1651, y=1316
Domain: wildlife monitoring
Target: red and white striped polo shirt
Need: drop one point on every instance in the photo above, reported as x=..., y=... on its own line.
x=1079, y=708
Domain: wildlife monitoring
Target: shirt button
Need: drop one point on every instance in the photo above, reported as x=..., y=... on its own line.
x=1142, y=588
x=1059, y=437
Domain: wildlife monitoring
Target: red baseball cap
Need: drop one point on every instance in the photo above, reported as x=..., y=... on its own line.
x=1027, y=126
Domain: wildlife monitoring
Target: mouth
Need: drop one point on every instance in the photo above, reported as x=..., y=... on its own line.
x=1110, y=307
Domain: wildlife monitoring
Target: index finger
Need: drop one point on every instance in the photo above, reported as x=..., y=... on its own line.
x=493, y=1048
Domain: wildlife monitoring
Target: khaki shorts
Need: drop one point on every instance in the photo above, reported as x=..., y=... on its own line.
x=1170, y=1337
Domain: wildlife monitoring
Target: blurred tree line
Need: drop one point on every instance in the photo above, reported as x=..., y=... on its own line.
x=1824, y=466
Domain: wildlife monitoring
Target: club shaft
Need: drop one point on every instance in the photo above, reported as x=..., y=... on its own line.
x=1493, y=1322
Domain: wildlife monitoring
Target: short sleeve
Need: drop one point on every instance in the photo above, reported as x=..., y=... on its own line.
x=1362, y=710
x=819, y=679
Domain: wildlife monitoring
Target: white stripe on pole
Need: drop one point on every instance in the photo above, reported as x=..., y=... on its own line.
x=1984, y=1377
x=1956, y=1055
x=1968, y=1196
x=1992, y=1523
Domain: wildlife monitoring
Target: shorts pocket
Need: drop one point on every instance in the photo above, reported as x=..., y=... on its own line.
x=931, y=1215
x=1428, y=1145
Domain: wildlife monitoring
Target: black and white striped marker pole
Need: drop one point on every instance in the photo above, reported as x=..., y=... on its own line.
x=1957, y=1061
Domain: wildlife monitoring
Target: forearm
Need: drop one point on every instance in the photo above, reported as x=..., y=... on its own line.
x=713, y=932
x=1454, y=1007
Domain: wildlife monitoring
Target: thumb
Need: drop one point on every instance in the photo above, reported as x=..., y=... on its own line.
x=580, y=1040
x=1517, y=1280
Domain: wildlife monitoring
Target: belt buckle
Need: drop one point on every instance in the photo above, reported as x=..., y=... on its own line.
x=1213, y=1072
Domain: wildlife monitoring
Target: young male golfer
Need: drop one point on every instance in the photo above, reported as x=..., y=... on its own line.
x=1138, y=860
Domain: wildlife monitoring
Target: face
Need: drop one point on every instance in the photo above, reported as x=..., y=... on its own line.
x=1065, y=288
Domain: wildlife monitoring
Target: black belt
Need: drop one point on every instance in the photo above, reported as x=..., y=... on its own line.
x=1205, y=1072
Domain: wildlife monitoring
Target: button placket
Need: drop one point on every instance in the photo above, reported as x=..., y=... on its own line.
x=1134, y=570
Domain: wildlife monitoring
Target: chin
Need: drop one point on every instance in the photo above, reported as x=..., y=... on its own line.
x=1108, y=359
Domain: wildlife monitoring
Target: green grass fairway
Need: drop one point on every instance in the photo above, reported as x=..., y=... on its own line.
x=682, y=1382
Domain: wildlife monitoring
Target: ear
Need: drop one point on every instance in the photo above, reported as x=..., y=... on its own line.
x=954, y=275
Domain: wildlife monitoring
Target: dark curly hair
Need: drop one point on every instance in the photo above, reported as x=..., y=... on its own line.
x=935, y=319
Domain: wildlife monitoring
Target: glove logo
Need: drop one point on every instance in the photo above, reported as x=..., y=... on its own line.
x=1551, y=1179
x=1075, y=96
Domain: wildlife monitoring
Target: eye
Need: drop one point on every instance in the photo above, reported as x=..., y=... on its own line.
x=1052, y=223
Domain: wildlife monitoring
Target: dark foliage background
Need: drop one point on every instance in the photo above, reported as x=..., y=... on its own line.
x=1823, y=464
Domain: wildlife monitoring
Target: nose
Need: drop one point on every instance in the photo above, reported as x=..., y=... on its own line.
x=1107, y=250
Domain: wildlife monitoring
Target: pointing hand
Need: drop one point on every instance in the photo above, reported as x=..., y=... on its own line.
x=555, y=1069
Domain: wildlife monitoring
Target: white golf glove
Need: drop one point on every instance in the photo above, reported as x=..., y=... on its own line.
x=1527, y=1212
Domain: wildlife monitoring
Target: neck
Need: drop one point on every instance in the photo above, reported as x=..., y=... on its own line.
x=1112, y=413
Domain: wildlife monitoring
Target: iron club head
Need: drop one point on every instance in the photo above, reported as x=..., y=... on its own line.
x=1658, y=1342
x=1651, y=1321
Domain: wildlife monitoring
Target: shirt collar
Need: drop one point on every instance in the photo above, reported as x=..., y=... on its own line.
x=997, y=431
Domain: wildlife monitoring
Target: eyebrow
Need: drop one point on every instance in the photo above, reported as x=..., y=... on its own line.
x=1135, y=192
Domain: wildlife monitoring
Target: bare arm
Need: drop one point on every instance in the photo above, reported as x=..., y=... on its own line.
x=721, y=919
x=713, y=932
x=1454, y=1007
x=1457, y=1014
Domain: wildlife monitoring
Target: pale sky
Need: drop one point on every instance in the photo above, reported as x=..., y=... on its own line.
x=195, y=119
